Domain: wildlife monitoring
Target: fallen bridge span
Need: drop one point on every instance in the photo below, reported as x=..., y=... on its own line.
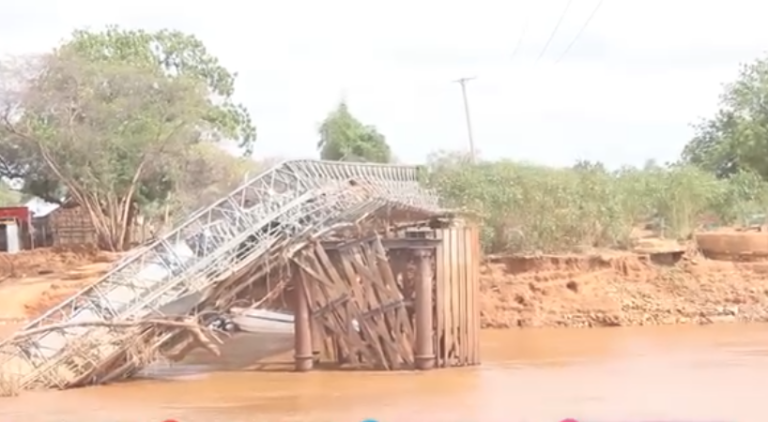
x=158, y=302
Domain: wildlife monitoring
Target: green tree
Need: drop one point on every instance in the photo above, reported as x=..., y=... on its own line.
x=736, y=137
x=344, y=138
x=209, y=173
x=8, y=196
x=110, y=120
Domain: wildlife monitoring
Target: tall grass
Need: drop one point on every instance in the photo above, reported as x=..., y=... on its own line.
x=533, y=208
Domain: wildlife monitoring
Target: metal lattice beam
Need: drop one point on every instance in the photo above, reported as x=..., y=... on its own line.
x=292, y=199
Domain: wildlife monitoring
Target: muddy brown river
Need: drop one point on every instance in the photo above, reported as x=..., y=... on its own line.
x=702, y=373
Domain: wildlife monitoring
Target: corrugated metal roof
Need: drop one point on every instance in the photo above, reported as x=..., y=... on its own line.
x=40, y=208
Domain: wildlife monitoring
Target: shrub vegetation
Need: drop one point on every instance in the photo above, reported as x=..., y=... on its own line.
x=533, y=208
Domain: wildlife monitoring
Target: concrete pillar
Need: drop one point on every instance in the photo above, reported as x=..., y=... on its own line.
x=425, y=351
x=302, y=328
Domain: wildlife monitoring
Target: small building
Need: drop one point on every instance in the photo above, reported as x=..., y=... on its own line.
x=15, y=229
x=40, y=210
x=69, y=225
x=39, y=223
x=61, y=225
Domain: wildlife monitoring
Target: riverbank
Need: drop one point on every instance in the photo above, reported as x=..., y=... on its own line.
x=620, y=289
x=31, y=282
x=606, y=288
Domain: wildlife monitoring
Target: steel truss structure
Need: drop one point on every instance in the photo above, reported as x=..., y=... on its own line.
x=291, y=200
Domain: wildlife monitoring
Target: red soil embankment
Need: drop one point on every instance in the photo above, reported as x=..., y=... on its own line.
x=600, y=289
x=33, y=281
x=618, y=289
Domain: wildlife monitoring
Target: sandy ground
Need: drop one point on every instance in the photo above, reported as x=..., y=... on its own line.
x=33, y=281
x=649, y=287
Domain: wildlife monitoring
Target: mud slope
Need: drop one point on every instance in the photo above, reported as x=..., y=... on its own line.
x=620, y=289
x=33, y=281
x=608, y=289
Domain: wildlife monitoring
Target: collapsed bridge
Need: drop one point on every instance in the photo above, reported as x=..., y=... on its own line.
x=330, y=231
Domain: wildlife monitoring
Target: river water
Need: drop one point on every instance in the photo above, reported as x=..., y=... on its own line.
x=703, y=373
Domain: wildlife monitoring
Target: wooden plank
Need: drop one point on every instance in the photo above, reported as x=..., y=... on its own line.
x=377, y=328
x=387, y=243
x=447, y=311
x=462, y=268
x=320, y=300
x=352, y=311
x=403, y=332
x=478, y=321
x=349, y=343
x=472, y=291
x=329, y=268
x=349, y=314
x=318, y=276
x=318, y=334
x=448, y=303
x=469, y=297
x=363, y=273
x=457, y=293
x=470, y=256
x=460, y=311
x=439, y=304
x=466, y=257
x=362, y=305
x=389, y=293
x=346, y=272
x=455, y=296
x=384, y=326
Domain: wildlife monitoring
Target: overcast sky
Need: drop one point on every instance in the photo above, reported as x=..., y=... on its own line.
x=627, y=91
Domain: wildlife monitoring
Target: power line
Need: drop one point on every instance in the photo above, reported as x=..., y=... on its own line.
x=554, y=31
x=581, y=31
x=463, y=83
x=520, y=40
x=522, y=33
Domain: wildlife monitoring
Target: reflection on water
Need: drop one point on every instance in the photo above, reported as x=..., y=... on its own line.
x=673, y=373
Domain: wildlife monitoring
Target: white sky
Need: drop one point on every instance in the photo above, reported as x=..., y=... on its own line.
x=626, y=92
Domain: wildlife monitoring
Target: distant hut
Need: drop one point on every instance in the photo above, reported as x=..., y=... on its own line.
x=61, y=225
x=42, y=235
x=68, y=225
x=15, y=229
x=71, y=225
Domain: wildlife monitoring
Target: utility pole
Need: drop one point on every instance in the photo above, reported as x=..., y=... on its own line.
x=463, y=83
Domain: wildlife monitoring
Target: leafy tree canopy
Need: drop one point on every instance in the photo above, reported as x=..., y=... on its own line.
x=736, y=137
x=344, y=138
x=109, y=120
x=8, y=196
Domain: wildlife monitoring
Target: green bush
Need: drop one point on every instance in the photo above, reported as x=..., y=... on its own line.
x=532, y=208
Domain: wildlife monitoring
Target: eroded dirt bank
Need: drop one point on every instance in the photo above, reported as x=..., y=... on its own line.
x=619, y=290
x=33, y=281
x=606, y=289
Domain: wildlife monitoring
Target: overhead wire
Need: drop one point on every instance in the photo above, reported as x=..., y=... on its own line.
x=522, y=33
x=554, y=31
x=581, y=31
